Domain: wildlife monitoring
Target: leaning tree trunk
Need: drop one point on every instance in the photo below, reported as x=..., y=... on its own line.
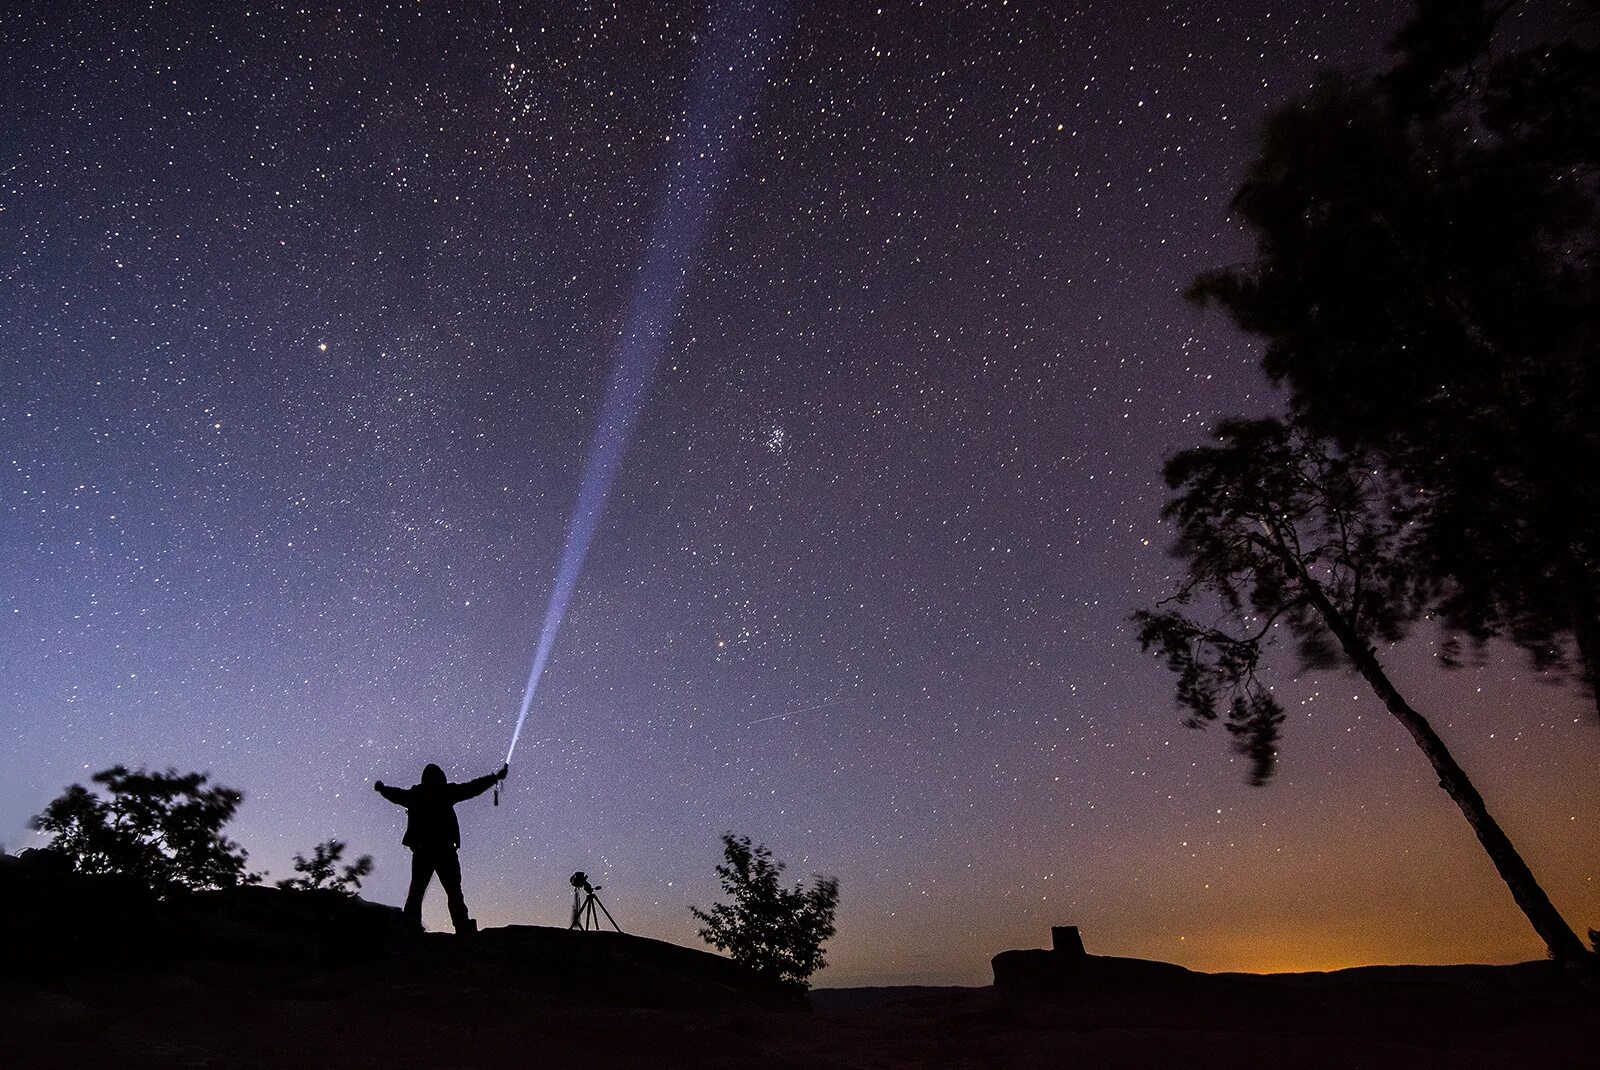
x=1585, y=625
x=1564, y=945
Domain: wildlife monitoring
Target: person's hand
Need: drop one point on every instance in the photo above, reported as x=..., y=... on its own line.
x=377, y=785
x=504, y=769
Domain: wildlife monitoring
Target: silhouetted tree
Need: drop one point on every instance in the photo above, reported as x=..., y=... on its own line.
x=1428, y=286
x=160, y=830
x=1281, y=531
x=778, y=932
x=322, y=869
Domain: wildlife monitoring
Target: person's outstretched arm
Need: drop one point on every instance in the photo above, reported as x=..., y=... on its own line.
x=478, y=786
x=398, y=796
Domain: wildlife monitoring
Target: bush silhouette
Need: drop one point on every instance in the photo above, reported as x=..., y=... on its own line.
x=162, y=831
x=778, y=932
x=322, y=869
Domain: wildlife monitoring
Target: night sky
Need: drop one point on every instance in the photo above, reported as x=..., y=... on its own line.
x=307, y=315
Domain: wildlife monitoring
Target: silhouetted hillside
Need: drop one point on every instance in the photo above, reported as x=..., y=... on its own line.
x=97, y=974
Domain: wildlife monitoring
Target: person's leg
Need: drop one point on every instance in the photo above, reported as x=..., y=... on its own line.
x=449, y=866
x=421, y=873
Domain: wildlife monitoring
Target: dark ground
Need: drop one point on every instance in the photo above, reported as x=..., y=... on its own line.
x=259, y=977
x=442, y=1005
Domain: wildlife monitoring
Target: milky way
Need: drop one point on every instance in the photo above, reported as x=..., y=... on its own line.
x=309, y=314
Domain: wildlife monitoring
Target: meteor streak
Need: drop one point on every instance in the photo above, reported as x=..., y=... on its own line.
x=733, y=57
x=825, y=704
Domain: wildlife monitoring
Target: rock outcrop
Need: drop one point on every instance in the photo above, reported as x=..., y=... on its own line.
x=1066, y=967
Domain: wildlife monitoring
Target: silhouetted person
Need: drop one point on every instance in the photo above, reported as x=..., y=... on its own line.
x=434, y=835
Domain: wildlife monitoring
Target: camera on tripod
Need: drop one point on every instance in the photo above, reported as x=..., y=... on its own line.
x=585, y=902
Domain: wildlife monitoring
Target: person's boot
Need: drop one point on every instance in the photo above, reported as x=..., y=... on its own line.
x=466, y=928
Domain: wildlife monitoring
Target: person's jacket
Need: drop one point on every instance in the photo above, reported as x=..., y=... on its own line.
x=431, y=808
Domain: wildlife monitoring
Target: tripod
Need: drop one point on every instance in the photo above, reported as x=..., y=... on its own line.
x=584, y=902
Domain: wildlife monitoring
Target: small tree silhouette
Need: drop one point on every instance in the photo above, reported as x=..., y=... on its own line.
x=322, y=869
x=160, y=830
x=778, y=932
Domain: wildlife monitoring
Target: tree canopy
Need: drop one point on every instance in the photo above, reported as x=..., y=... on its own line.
x=1428, y=251
x=1282, y=531
x=162, y=831
x=1273, y=523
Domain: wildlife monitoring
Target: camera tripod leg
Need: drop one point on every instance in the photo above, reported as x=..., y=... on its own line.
x=584, y=902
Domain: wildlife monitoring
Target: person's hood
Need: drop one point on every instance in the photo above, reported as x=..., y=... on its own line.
x=433, y=776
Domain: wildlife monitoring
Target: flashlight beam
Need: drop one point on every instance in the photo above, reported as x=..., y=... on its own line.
x=732, y=62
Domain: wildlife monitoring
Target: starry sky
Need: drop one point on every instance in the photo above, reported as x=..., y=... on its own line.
x=308, y=316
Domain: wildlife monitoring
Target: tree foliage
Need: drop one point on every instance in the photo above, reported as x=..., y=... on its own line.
x=1427, y=285
x=322, y=869
x=777, y=932
x=1263, y=516
x=1282, y=530
x=162, y=831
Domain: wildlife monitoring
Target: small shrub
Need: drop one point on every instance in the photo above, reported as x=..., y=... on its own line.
x=322, y=869
x=778, y=932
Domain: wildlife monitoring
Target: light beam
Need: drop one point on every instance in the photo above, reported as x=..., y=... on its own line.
x=732, y=61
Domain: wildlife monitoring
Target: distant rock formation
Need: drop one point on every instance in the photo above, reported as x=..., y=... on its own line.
x=1067, y=973
x=1066, y=967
